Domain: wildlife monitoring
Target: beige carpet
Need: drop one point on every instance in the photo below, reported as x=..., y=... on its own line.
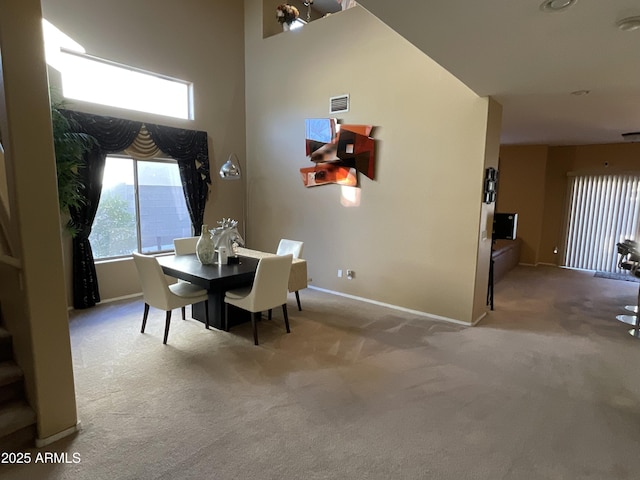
x=546, y=387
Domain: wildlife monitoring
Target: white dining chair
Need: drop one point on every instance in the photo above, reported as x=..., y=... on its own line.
x=185, y=245
x=269, y=290
x=159, y=294
x=293, y=247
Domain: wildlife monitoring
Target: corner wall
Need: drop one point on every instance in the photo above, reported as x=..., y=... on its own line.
x=201, y=41
x=413, y=241
x=33, y=297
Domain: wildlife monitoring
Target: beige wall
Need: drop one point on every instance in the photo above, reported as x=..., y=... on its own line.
x=33, y=297
x=494, y=124
x=521, y=190
x=529, y=172
x=191, y=40
x=413, y=241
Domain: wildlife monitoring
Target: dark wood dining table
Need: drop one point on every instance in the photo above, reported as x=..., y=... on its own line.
x=216, y=279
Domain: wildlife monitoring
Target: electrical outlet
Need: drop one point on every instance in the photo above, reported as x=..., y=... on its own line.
x=339, y=273
x=351, y=274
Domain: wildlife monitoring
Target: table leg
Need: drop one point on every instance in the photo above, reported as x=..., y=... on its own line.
x=217, y=312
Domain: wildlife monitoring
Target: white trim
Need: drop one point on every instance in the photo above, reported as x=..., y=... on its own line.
x=396, y=307
x=124, y=297
x=477, y=320
x=43, y=442
x=115, y=299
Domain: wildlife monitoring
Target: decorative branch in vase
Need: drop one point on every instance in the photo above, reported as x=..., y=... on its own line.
x=286, y=15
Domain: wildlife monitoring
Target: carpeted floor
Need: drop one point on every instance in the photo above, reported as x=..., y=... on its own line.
x=544, y=388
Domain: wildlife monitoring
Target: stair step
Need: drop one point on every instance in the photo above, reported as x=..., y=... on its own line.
x=9, y=373
x=15, y=416
x=11, y=383
x=6, y=345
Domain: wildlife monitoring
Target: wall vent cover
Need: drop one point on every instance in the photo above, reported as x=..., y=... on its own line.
x=339, y=104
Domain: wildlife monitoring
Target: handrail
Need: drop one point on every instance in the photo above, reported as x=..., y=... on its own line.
x=11, y=261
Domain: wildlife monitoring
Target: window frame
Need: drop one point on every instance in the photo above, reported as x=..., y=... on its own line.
x=111, y=63
x=136, y=190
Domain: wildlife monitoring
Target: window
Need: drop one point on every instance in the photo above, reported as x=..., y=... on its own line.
x=142, y=208
x=96, y=80
x=603, y=210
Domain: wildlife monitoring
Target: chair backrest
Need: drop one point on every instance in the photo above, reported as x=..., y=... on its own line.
x=270, y=285
x=185, y=246
x=155, y=287
x=293, y=247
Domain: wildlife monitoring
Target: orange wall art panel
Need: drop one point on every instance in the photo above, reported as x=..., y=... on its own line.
x=339, y=152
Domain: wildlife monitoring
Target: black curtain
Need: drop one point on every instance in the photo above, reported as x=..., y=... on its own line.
x=188, y=147
x=113, y=135
x=191, y=151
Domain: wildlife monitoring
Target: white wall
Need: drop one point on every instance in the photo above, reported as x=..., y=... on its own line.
x=413, y=241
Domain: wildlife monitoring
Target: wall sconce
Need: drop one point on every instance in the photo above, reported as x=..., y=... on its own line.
x=490, y=185
x=231, y=168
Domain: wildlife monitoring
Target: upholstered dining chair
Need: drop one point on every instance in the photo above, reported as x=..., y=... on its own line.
x=185, y=245
x=293, y=247
x=159, y=294
x=269, y=290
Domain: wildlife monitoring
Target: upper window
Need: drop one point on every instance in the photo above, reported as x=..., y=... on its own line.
x=96, y=80
x=142, y=208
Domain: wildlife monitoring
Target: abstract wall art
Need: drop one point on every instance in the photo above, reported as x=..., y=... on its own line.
x=339, y=153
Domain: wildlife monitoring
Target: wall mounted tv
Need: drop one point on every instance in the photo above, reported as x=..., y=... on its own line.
x=505, y=226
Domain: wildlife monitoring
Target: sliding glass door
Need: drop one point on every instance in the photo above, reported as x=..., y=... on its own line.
x=603, y=210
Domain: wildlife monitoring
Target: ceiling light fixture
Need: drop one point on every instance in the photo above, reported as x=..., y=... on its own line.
x=556, y=5
x=580, y=93
x=628, y=24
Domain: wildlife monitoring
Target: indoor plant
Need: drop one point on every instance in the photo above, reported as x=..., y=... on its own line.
x=286, y=15
x=70, y=147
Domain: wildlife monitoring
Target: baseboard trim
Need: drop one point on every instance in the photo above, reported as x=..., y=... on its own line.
x=115, y=299
x=43, y=442
x=477, y=320
x=396, y=307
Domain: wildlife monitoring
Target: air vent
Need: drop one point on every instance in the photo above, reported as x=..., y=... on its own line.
x=339, y=104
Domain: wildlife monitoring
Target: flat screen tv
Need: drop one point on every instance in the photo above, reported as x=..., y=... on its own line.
x=505, y=226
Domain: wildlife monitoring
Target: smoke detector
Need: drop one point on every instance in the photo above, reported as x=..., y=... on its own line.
x=556, y=5
x=628, y=24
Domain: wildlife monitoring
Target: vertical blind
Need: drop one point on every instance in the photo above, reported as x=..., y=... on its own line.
x=603, y=211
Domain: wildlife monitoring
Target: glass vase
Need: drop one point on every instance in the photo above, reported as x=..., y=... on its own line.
x=205, y=248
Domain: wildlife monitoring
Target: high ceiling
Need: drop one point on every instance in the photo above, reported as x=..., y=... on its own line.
x=531, y=61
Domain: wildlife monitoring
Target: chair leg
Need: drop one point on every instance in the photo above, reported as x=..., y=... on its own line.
x=144, y=317
x=166, y=326
x=225, y=319
x=184, y=316
x=269, y=315
x=286, y=317
x=206, y=314
x=254, y=320
x=298, y=300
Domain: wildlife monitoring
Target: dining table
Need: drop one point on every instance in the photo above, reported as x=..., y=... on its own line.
x=216, y=279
